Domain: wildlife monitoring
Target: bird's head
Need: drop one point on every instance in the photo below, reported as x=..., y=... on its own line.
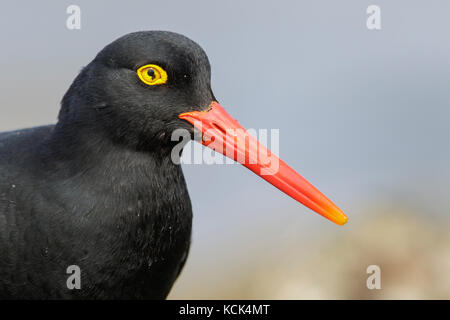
x=143, y=86
x=137, y=86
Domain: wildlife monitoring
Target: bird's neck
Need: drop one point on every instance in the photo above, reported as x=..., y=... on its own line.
x=83, y=153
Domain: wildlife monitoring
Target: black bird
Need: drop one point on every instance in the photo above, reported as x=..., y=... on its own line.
x=100, y=190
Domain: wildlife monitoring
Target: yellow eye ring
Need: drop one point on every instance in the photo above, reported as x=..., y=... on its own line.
x=152, y=74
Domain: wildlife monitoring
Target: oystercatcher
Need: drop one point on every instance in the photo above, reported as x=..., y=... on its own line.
x=99, y=190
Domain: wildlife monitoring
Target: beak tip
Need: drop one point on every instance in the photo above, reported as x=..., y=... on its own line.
x=344, y=221
x=341, y=220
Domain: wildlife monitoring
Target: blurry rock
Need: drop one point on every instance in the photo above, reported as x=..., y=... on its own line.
x=414, y=257
x=412, y=250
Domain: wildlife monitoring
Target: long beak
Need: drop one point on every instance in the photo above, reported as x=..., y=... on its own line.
x=224, y=134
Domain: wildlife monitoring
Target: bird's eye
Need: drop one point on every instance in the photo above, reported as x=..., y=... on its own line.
x=152, y=74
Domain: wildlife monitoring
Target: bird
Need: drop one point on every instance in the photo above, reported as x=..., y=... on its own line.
x=99, y=189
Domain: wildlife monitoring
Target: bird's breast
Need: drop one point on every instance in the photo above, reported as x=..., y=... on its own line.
x=127, y=228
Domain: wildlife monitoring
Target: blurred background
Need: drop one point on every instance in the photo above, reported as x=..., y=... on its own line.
x=363, y=115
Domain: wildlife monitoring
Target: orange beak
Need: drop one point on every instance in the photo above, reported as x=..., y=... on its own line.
x=224, y=134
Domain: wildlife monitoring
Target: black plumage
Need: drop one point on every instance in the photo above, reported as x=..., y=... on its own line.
x=99, y=189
